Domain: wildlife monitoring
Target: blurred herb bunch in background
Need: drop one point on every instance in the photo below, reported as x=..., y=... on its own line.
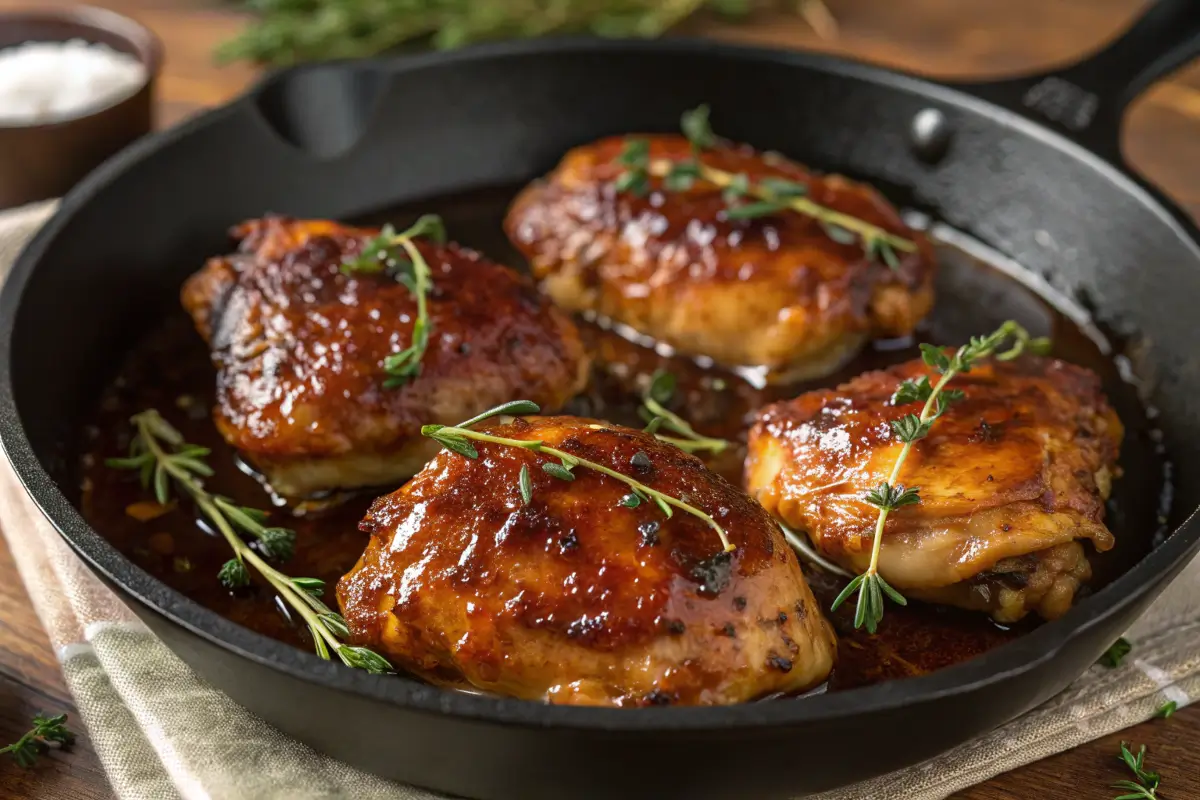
x=292, y=31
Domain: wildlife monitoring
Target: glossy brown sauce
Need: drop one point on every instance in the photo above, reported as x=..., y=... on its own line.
x=170, y=370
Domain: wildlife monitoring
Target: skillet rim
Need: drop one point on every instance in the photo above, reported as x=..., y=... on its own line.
x=1007, y=661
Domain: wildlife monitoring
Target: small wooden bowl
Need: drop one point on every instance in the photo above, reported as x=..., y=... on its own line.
x=44, y=160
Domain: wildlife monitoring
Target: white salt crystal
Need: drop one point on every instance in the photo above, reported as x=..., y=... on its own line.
x=48, y=81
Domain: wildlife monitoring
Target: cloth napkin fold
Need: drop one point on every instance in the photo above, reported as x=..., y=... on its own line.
x=162, y=733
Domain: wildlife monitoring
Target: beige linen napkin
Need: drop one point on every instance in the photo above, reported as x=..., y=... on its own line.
x=161, y=732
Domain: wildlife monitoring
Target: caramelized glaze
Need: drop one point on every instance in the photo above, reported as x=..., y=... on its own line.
x=1012, y=480
x=169, y=369
x=575, y=597
x=299, y=346
x=775, y=292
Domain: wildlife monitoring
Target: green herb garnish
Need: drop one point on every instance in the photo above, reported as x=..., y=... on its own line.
x=635, y=157
x=697, y=129
x=767, y=197
x=158, y=466
x=737, y=188
x=380, y=255
x=1116, y=653
x=159, y=453
x=1167, y=709
x=458, y=438
x=658, y=418
x=526, y=485
x=290, y=31
x=759, y=208
x=46, y=732
x=1146, y=785
x=911, y=428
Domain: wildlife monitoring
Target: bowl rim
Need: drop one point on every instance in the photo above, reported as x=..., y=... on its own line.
x=146, y=45
x=1010, y=660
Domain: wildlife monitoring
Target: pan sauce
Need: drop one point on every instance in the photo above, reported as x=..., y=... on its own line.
x=170, y=370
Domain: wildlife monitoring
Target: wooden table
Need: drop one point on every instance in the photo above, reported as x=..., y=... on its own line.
x=936, y=37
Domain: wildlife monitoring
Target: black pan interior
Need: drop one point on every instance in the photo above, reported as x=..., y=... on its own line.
x=341, y=140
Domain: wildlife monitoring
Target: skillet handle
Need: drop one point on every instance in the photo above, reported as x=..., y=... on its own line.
x=1086, y=100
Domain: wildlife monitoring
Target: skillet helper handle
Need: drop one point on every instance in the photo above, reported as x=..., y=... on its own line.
x=1086, y=100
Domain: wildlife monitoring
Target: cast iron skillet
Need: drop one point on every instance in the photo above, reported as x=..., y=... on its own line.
x=1031, y=166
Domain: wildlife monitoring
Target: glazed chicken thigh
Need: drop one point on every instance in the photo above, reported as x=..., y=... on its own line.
x=777, y=293
x=574, y=596
x=298, y=347
x=1012, y=482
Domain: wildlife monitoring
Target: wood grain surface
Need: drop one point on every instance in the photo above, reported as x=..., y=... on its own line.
x=942, y=38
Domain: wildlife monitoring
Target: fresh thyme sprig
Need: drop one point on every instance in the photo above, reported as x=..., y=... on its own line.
x=911, y=428
x=1146, y=785
x=654, y=412
x=380, y=255
x=46, y=732
x=457, y=438
x=748, y=200
x=160, y=454
x=286, y=32
x=158, y=466
x=1116, y=653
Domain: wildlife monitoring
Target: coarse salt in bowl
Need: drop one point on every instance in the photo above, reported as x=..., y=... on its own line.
x=77, y=85
x=44, y=82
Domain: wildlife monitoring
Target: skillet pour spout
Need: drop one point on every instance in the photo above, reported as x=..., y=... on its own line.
x=1015, y=164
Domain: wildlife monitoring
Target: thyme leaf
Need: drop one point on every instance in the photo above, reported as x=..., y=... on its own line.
x=396, y=254
x=737, y=188
x=286, y=32
x=156, y=440
x=911, y=428
x=336, y=623
x=878, y=249
x=1116, y=653
x=174, y=459
x=558, y=471
x=696, y=127
x=890, y=495
x=911, y=391
x=233, y=574
x=1145, y=787
x=666, y=503
x=760, y=208
x=888, y=498
x=364, y=658
x=658, y=418
x=47, y=732
x=526, y=485
x=636, y=182
x=769, y=196
x=782, y=187
x=682, y=176
x=838, y=233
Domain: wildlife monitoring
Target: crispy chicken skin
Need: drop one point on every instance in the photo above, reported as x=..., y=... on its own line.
x=575, y=598
x=774, y=292
x=1012, y=482
x=298, y=348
